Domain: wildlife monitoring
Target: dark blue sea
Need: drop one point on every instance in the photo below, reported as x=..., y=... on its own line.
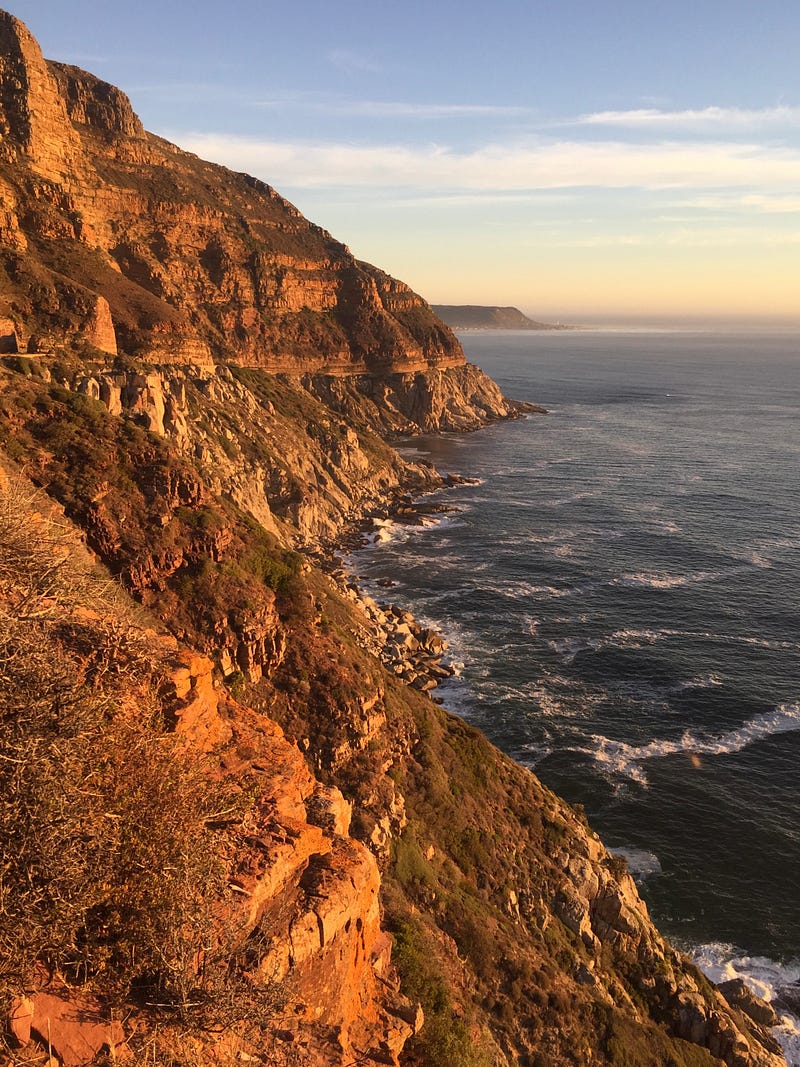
x=621, y=592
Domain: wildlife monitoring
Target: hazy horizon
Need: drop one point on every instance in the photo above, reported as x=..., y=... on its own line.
x=654, y=321
x=577, y=161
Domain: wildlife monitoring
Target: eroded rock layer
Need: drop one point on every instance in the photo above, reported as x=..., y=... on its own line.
x=116, y=238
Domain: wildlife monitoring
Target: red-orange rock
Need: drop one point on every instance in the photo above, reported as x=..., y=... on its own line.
x=196, y=702
x=75, y=1026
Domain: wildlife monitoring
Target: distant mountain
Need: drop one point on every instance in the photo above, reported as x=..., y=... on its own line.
x=477, y=317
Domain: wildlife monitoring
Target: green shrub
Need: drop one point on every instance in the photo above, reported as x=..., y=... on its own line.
x=445, y=1039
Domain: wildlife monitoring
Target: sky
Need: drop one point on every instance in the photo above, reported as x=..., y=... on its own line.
x=580, y=159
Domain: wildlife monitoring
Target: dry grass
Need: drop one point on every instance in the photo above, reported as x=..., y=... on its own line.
x=109, y=871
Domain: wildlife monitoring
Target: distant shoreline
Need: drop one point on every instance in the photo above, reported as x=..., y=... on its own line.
x=475, y=317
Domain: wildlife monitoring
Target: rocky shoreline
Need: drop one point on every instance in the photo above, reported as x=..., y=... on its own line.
x=416, y=654
x=413, y=652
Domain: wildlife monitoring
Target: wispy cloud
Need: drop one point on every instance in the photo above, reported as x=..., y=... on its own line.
x=707, y=119
x=688, y=236
x=325, y=104
x=350, y=62
x=398, y=109
x=510, y=167
x=754, y=202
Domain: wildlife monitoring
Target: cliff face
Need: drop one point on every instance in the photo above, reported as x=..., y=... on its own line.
x=180, y=842
x=203, y=380
x=121, y=238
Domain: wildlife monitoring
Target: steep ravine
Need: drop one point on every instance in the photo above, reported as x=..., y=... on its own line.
x=205, y=383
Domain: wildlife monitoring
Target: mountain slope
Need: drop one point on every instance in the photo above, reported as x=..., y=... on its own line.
x=205, y=382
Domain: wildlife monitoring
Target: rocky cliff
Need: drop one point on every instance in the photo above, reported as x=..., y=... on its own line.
x=232, y=824
x=162, y=834
x=117, y=239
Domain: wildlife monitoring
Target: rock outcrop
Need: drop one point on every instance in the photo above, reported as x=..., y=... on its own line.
x=114, y=237
x=297, y=911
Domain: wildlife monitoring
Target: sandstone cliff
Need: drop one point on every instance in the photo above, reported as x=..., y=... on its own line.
x=204, y=382
x=116, y=239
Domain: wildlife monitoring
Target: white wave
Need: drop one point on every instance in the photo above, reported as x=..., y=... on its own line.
x=573, y=498
x=701, y=681
x=562, y=681
x=388, y=530
x=551, y=695
x=569, y=647
x=547, y=703
x=397, y=532
x=626, y=760
x=667, y=526
x=651, y=580
x=633, y=638
x=531, y=754
x=763, y=642
x=559, y=537
x=651, y=636
x=765, y=977
x=621, y=639
x=382, y=534
x=629, y=638
x=518, y=590
x=641, y=864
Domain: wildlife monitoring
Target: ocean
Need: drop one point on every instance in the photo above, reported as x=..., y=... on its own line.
x=620, y=587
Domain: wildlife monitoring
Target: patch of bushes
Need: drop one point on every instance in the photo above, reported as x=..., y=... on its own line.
x=411, y=868
x=445, y=1039
x=275, y=567
x=110, y=868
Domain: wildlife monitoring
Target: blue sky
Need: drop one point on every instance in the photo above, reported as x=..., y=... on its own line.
x=580, y=160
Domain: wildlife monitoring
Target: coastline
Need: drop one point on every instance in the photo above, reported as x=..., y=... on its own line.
x=413, y=651
x=776, y=982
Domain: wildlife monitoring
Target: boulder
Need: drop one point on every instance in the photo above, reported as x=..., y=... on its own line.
x=739, y=995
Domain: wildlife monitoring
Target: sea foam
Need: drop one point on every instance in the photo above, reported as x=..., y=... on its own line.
x=768, y=979
x=621, y=758
x=641, y=863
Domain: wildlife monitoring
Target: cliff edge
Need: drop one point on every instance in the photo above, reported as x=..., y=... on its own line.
x=117, y=239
